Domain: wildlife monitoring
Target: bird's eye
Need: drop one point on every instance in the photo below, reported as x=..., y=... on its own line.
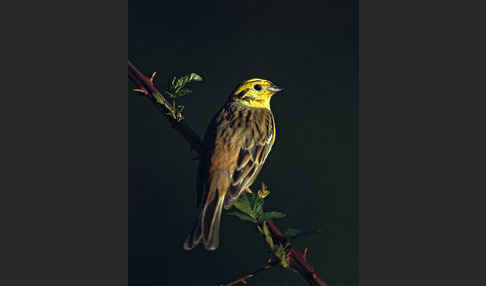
x=257, y=87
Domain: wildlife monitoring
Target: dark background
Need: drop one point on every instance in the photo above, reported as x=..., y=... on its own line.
x=308, y=49
x=64, y=143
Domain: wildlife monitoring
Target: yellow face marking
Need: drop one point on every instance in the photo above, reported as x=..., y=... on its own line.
x=254, y=93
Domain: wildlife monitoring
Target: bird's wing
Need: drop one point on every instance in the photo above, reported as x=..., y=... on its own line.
x=257, y=141
x=210, y=137
x=214, y=179
x=238, y=140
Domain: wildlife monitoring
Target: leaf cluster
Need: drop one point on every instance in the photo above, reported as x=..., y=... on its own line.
x=178, y=88
x=249, y=207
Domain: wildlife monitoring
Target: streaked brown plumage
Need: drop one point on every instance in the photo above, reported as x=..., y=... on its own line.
x=237, y=142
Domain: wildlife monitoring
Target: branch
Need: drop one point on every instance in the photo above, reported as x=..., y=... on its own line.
x=245, y=277
x=146, y=86
x=297, y=259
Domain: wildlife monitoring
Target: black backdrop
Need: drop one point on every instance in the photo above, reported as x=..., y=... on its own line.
x=308, y=49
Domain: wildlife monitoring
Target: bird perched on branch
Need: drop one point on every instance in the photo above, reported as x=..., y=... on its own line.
x=236, y=144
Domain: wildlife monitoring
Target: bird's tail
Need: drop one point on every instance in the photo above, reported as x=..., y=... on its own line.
x=206, y=226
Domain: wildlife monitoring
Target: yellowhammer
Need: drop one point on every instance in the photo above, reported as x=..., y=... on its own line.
x=236, y=144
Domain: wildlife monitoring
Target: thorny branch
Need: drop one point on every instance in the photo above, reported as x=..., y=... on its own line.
x=297, y=259
x=146, y=86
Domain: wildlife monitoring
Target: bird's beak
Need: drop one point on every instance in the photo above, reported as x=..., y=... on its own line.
x=274, y=88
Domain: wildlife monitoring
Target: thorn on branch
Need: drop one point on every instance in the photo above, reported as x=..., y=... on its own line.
x=142, y=90
x=152, y=77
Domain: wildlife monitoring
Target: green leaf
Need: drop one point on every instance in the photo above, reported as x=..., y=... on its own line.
x=177, y=85
x=292, y=232
x=258, y=206
x=170, y=94
x=243, y=216
x=195, y=77
x=272, y=215
x=252, y=198
x=183, y=92
x=183, y=81
x=243, y=204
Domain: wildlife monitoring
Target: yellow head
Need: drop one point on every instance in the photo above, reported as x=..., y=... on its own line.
x=255, y=92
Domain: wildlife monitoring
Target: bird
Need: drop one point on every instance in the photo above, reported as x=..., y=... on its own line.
x=235, y=146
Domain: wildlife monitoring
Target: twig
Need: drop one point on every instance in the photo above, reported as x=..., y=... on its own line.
x=146, y=85
x=297, y=259
x=245, y=277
